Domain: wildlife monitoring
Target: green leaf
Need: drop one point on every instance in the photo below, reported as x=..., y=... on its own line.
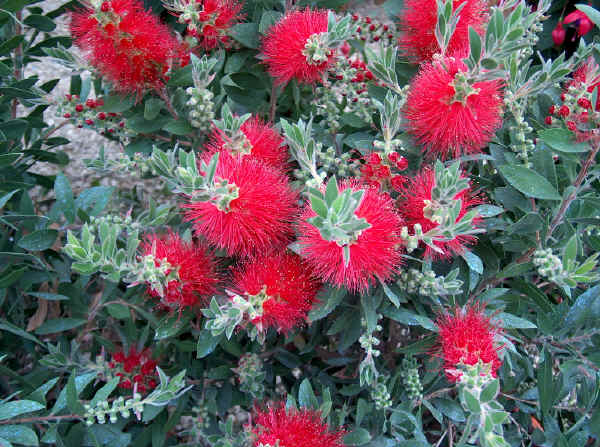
x=545, y=383
x=475, y=44
x=562, y=140
x=268, y=19
x=471, y=402
x=59, y=325
x=489, y=210
x=9, y=327
x=5, y=198
x=586, y=307
x=13, y=409
x=473, y=261
x=80, y=383
x=510, y=321
x=64, y=197
x=358, y=436
x=49, y=296
x=529, y=182
x=103, y=393
x=178, y=127
x=207, y=343
x=328, y=300
x=490, y=391
x=306, y=395
x=118, y=103
x=72, y=402
x=19, y=434
x=38, y=240
x=40, y=22
x=171, y=325
x=152, y=108
x=246, y=34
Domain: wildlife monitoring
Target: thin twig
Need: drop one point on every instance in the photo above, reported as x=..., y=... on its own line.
x=40, y=419
x=567, y=202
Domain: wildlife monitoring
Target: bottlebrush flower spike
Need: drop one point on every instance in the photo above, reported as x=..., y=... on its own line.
x=295, y=47
x=277, y=425
x=559, y=34
x=258, y=220
x=446, y=114
x=135, y=368
x=127, y=45
x=282, y=288
x=262, y=142
x=371, y=254
x=416, y=201
x=196, y=267
x=418, y=22
x=467, y=337
x=208, y=21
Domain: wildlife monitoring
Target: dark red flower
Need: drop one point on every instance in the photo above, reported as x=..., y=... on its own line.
x=581, y=21
x=127, y=45
x=285, y=47
x=135, y=367
x=444, y=121
x=375, y=253
x=467, y=336
x=259, y=220
x=267, y=145
x=418, y=22
x=558, y=34
x=196, y=266
x=284, y=287
x=411, y=204
x=293, y=428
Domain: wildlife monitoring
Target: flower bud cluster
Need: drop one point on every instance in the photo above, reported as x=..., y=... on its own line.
x=120, y=406
x=88, y=114
x=381, y=170
x=576, y=111
x=428, y=283
x=521, y=143
x=335, y=165
x=371, y=30
x=380, y=393
x=410, y=377
x=548, y=264
x=201, y=107
x=251, y=375
x=346, y=91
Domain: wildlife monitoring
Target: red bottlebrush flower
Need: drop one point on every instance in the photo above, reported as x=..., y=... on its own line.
x=445, y=120
x=79, y=108
x=571, y=126
x=411, y=204
x=419, y=20
x=259, y=220
x=467, y=337
x=285, y=47
x=197, y=269
x=548, y=120
x=136, y=367
x=127, y=45
x=374, y=255
x=291, y=427
x=564, y=111
x=284, y=284
x=558, y=34
x=581, y=21
x=216, y=17
x=266, y=144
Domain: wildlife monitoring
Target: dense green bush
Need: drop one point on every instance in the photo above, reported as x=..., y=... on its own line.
x=477, y=323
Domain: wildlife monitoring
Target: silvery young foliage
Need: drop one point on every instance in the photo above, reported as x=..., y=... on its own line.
x=370, y=224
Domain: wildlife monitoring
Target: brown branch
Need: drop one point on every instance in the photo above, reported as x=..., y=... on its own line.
x=165, y=97
x=40, y=419
x=273, y=107
x=567, y=201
